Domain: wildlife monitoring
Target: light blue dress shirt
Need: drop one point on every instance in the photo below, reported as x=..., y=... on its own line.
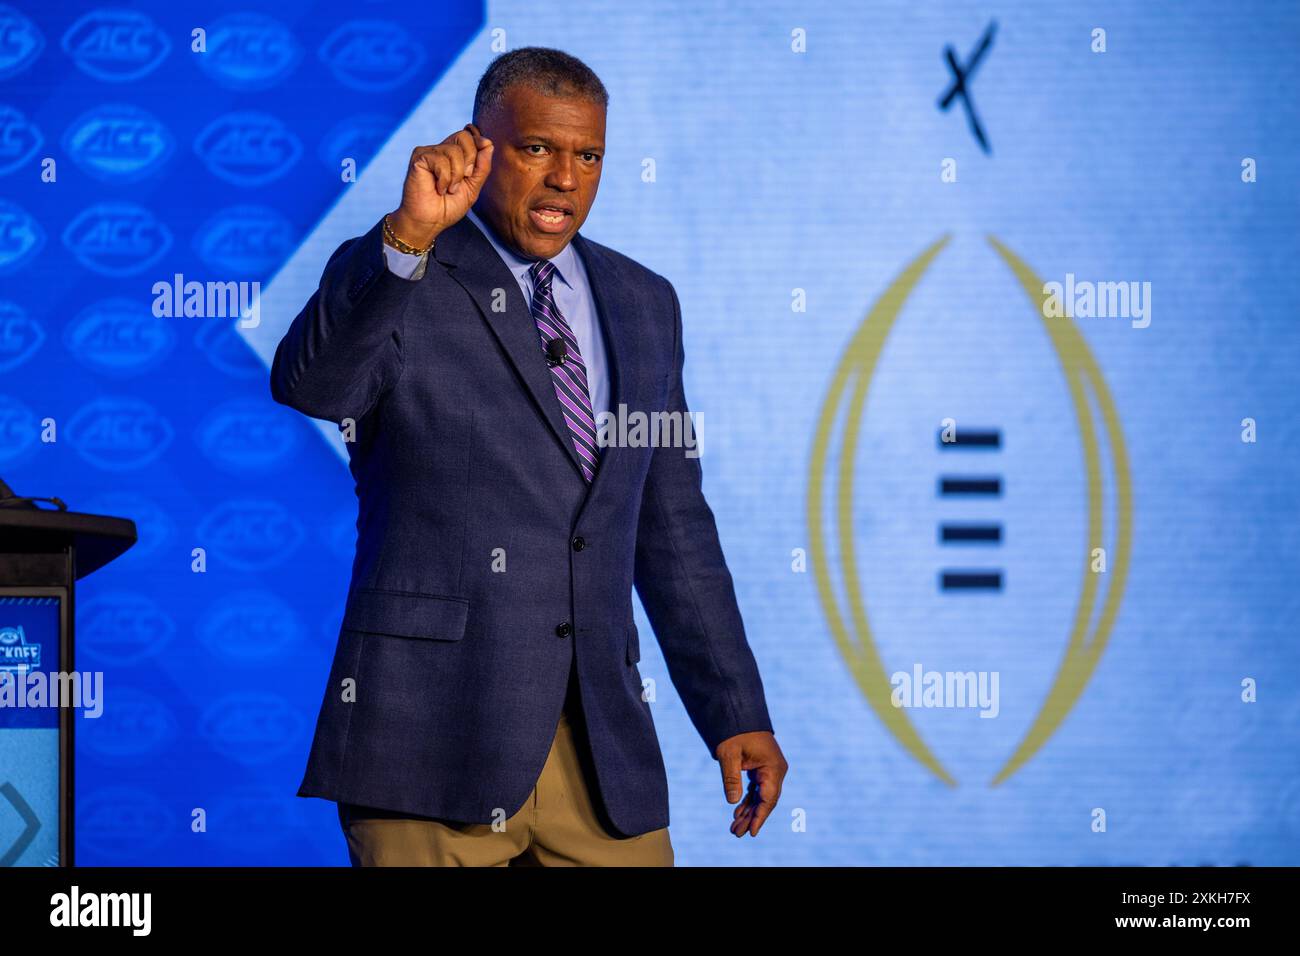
x=572, y=294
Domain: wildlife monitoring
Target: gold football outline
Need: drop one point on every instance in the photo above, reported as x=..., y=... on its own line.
x=857, y=367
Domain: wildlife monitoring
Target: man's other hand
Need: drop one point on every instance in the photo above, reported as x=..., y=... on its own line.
x=758, y=755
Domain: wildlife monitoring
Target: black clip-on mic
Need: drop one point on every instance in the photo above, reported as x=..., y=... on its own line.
x=557, y=350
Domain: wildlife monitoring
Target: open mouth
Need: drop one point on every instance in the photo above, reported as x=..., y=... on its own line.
x=550, y=218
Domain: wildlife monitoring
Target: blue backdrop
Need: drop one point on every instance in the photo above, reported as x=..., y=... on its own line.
x=1113, y=536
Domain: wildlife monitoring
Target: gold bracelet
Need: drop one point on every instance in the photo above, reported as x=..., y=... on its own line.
x=391, y=238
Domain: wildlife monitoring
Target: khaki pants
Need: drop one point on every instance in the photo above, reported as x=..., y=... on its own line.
x=558, y=825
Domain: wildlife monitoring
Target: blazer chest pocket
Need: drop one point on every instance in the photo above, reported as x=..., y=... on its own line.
x=435, y=617
x=633, y=644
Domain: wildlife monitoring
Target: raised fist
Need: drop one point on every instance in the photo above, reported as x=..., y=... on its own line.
x=442, y=182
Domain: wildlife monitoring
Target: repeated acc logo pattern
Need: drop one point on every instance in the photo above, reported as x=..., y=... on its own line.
x=131, y=187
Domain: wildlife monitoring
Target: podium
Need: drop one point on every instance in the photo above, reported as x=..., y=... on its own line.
x=43, y=553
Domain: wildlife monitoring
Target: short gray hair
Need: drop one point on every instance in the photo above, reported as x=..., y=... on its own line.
x=549, y=72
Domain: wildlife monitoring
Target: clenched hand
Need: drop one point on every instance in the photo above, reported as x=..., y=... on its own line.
x=442, y=183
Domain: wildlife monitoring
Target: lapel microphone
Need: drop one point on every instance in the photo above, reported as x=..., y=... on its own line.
x=557, y=350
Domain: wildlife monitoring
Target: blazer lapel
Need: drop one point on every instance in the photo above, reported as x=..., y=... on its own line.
x=479, y=270
x=616, y=310
x=475, y=265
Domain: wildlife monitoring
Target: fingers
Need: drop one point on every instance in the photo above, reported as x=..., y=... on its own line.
x=760, y=800
x=731, y=785
x=478, y=154
x=468, y=160
x=446, y=166
x=460, y=151
x=421, y=158
x=430, y=158
x=746, y=819
x=744, y=813
x=482, y=162
x=462, y=160
x=470, y=155
x=769, y=792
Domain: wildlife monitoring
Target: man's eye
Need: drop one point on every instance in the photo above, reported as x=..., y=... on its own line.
x=535, y=146
x=591, y=157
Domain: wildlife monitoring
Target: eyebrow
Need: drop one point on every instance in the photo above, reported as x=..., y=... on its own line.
x=546, y=142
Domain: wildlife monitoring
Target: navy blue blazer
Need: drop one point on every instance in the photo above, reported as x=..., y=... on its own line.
x=459, y=669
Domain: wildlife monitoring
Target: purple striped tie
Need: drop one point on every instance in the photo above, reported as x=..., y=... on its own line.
x=570, y=375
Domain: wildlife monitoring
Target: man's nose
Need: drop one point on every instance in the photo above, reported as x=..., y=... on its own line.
x=562, y=174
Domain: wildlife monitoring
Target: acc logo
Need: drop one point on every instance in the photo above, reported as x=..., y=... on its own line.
x=18, y=433
x=118, y=336
x=251, y=534
x=134, y=724
x=247, y=51
x=835, y=516
x=249, y=626
x=117, y=142
x=247, y=149
x=117, y=239
x=227, y=350
x=123, y=628
x=358, y=138
x=246, y=437
x=118, y=822
x=252, y=818
x=20, y=42
x=251, y=728
x=16, y=655
x=20, y=336
x=19, y=139
x=116, y=45
x=118, y=434
x=372, y=55
x=245, y=239
x=20, y=236
x=153, y=525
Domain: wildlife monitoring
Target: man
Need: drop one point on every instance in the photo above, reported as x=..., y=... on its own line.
x=484, y=706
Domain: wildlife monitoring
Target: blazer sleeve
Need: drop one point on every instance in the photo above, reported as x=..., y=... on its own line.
x=344, y=349
x=687, y=591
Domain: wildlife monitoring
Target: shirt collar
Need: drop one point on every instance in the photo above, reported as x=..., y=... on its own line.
x=564, y=260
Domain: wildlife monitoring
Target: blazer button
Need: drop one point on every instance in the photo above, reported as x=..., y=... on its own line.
x=564, y=630
x=579, y=543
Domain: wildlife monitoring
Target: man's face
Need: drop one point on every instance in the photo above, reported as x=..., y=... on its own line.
x=545, y=169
